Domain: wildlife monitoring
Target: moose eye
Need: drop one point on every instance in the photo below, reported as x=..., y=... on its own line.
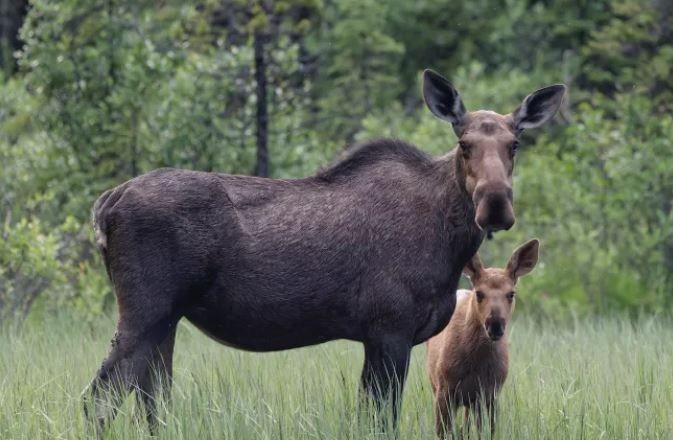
x=514, y=147
x=480, y=296
x=510, y=296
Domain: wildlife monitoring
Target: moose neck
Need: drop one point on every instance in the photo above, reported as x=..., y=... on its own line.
x=456, y=204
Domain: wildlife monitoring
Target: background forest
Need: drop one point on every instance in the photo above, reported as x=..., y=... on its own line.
x=94, y=92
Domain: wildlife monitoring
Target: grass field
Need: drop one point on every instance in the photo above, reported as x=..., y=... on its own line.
x=609, y=379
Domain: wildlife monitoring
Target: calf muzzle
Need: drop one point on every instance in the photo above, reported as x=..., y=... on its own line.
x=495, y=327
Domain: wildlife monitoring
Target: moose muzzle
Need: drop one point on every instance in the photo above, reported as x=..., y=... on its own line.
x=493, y=204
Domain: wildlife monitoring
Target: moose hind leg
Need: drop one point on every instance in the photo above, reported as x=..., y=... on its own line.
x=114, y=380
x=385, y=370
x=133, y=347
x=157, y=380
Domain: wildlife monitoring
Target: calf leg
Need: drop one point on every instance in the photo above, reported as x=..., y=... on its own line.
x=481, y=409
x=443, y=414
x=490, y=407
x=467, y=425
x=484, y=407
x=385, y=370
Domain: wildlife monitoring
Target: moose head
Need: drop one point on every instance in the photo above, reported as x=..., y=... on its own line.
x=488, y=143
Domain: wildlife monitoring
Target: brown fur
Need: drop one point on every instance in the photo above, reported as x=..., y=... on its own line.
x=468, y=361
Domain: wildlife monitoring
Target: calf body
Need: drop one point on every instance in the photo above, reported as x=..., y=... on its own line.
x=466, y=367
x=467, y=362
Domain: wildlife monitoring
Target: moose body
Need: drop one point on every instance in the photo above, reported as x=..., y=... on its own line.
x=370, y=249
x=264, y=264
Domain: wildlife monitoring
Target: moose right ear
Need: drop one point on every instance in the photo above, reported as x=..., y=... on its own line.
x=473, y=267
x=538, y=107
x=443, y=100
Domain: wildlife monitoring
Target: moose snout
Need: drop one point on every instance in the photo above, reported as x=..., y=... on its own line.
x=495, y=327
x=494, y=207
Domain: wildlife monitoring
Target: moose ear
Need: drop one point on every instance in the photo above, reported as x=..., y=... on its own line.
x=473, y=267
x=523, y=259
x=538, y=107
x=443, y=100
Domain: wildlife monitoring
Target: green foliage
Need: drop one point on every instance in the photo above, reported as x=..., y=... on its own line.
x=634, y=51
x=620, y=258
x=107, y=90
x=28, y=264
x=43, y=268
x=93, y=69
x=363, y=59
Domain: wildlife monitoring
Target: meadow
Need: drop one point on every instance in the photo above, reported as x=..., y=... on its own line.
x=93, y=93
x=586, y=379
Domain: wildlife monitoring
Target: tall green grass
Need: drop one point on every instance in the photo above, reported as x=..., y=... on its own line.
x=605, y=378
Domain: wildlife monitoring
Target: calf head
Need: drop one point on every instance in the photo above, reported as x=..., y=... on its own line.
x=494, y=297
x=488, y=143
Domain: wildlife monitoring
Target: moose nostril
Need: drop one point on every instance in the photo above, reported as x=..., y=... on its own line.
x=508, y=223
x=497, y=202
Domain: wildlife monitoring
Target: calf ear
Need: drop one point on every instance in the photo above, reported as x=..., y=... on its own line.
x=538, y=107
x=473, y=268
x=443, y=100
x=523, y=259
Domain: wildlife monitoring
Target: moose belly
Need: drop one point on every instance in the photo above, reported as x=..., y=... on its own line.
x=434, y=313
x=270, y=326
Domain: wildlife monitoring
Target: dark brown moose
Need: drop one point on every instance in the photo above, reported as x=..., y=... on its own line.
x=369, y=249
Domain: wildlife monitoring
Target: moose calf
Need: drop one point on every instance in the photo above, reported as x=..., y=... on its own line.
x=467, y=361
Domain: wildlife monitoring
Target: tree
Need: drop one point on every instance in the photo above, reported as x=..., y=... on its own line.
x=267, y=26
x=360, y=60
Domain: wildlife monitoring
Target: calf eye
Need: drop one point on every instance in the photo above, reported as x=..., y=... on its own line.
x=510, y=296
x=480, y=296
x=465, y=148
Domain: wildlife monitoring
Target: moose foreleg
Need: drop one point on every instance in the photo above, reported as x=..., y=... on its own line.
x=385, y=370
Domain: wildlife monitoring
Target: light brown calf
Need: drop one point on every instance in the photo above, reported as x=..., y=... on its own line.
x=467, y=361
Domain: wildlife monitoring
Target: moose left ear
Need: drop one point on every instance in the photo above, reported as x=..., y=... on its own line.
x=538, y=107
x=523, y=259
x=443, y=100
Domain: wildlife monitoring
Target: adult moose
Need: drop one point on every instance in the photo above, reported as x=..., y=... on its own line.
x=370, y=249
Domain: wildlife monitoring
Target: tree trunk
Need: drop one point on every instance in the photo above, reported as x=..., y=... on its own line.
x=12, y=16
x=262, y=119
